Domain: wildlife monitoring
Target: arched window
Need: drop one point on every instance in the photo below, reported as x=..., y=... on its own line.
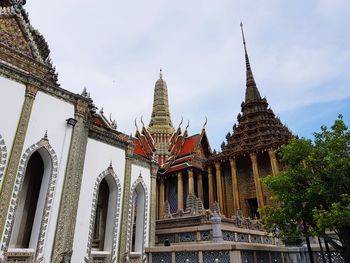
x=101, y=217
x=103, y=230
x=138, y=218
x=31, y=200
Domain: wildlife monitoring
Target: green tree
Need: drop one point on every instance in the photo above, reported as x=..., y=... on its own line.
x=313, y=189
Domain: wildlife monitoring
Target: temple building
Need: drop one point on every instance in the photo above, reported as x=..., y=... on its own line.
x=75, y=189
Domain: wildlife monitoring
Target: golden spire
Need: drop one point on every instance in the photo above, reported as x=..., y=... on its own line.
x=160, y=119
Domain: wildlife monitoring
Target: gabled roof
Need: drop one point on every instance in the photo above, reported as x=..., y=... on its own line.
x=185, y=150
x=18, y=34
x=23, y=46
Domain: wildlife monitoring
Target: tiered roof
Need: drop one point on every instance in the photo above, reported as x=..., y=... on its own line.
x=258, y=128
x=171, y=148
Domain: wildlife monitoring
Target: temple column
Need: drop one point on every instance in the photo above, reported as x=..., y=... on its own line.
x=190, y=182
x=258, y=188
x=180, y=190
x=273, y=162
x=210, y=186
x=219, y=186
x=15, y=157
x=235, y=191
x=152, y=235
x=161, y=198
x=66, y=221
x=200, y=186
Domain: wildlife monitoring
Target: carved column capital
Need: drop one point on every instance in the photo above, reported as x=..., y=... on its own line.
x=154, y=169
x=233, y=163
x=81, y=108
x=272, y=153
x=217, y=166
x=129, y=151
x=253, y=157
x=31, y=91
x=210, y=170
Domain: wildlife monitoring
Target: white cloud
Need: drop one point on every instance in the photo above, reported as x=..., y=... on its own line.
x=115, y=48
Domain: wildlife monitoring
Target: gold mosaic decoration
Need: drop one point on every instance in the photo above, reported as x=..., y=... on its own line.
x=12, y=36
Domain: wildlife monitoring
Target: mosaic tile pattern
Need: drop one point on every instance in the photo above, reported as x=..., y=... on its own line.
x=161, y=257
x=276, y=257
x=267, y=240
x=255, y=239
x=336, y=258
x=216, y=256
x=3, y=158
x=242, y=237
x=206, y=236
x=262, y=257
x=11, y=35
x=186, y=257
x=170, y=238
x=247, y=256
x=187, y=237
x=228, y=236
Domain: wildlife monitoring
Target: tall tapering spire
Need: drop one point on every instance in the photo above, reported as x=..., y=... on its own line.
x=252, y=92
x=160, y=119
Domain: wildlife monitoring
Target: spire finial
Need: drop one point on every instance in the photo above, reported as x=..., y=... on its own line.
x=252, y=92
x=245, y=48
x=160, y=73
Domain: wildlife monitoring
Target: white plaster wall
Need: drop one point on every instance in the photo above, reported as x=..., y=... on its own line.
x=12, y=97
x=136, y=170
x=49, y=114
x=97, y=159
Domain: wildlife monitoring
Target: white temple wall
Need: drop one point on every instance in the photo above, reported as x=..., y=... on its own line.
x=12, y=97
x=97, y=160
x=50, y=114
x=136, y=171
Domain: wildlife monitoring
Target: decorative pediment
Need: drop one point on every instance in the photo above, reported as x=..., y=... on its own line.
x=11, y=35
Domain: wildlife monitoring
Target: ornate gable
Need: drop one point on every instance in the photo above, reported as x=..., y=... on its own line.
x=12, y=36
x=22, y=46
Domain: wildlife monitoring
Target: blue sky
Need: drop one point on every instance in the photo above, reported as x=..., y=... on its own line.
x=299, y=51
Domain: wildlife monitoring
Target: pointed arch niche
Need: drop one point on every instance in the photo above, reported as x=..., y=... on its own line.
x=138, y=213
x=102, y=240
x=30, y=207
x=3, y=158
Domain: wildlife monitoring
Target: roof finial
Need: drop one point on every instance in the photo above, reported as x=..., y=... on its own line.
x=143, y=125
x=160, y=73
x=252, y=92
x=205, y=123
x=137, y=128
x=245, y=48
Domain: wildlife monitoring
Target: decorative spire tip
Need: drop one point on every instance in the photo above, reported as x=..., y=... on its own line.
x=160, y=73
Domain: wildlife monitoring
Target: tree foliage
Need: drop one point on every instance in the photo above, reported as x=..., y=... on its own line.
x=313, y=187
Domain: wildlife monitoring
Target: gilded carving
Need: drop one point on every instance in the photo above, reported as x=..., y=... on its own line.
x=31, y=91
x=11, y=35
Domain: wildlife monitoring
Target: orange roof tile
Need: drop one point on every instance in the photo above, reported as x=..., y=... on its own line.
x=189, y=145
